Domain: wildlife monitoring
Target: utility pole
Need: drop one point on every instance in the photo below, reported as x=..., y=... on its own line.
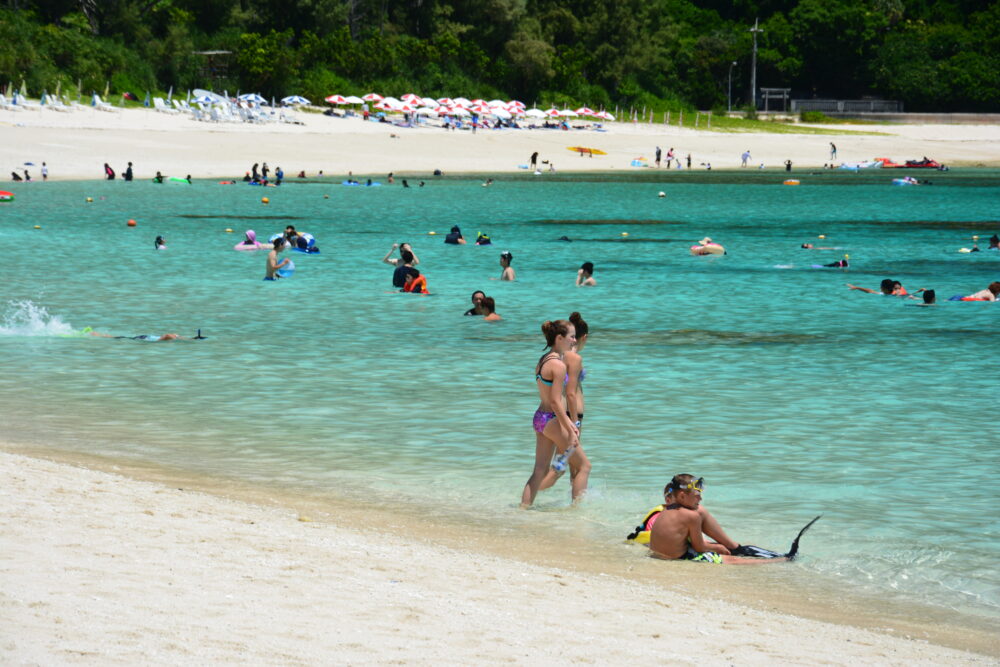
x=753, y=68
x=729, y=106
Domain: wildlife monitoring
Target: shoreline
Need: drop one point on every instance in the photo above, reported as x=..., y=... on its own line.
x=76, y=145
x=889, y=630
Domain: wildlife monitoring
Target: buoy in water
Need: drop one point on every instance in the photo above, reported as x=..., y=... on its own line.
x=131, y=223
x=326, y=196
x=624, y=233
x=90, y=200
x=229, y=230
x=431, y=233
x=662, y=194
x=822, y=236
x=265, y=200
x=38, y=226
x=790, y=181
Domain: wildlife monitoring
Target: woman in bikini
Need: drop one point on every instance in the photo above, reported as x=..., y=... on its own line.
x=555, y=432
x=579, y=464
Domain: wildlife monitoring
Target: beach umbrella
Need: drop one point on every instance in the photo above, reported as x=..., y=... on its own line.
x=443, y=111
x=553, y=113
x=459, y=111
x=170, y=93
x=392, y=101
x=427, y=111
x=500, y=113
x=534, y=113
x=568, y=113
x=293, y=100
x=477, y=101
x=462, y=101
x=372, y=97
x=353, y=99
x=337, y=99
x=411, y=98
x=496, y=103
x=252, y=97
x=480, y=108
x=429, y=102
x=205, y=99
x=445, y=101
x=585, y=111
x=604, y=115
x=517, y=103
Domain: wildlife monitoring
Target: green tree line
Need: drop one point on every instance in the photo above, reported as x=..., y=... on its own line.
x=933, y=55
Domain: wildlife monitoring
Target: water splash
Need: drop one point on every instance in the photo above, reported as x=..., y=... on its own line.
x=24, y=318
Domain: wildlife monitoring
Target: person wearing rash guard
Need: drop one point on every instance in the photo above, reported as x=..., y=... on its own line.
x=477, y=303
x=406, y=262
x=455, y=237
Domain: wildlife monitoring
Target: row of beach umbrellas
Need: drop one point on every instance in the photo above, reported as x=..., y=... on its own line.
x=460, y=106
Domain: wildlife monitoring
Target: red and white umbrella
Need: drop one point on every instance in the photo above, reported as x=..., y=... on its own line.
x=553, y=113
x=534, y=113
x=585, y=111
x=461, y=101
x=443, y=110
x=445, y=101
x=478, y=101
x=480, y=108
x=428, y=102
x=372, y=97
x=459, y=111
x=604, y=115
x=517, y=103
x=411, y=98
x=336, y=99
x=493, y=104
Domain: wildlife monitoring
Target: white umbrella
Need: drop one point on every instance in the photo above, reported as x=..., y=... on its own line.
x=461, y=101
x=427, y=111
x=337, y=99
x=460, y=111
x=392, y=102
x=252, y=97
x=604, y=115
x=372, y=97
x=516, y=103
x=534, y=113
x=478, y=101
x=585, y=111
x=568, y=113
x=480, y=108
x=501, y=113
x=353, y=99
x=445, y=101
x=411, y=98
x=204, y=99
x=496, y=103
x=294, y=99
x=429, y=102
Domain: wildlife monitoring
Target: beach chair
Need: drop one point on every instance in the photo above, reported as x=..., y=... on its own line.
x=214, y=115
x=6, y=104
x=101, y=105
x=53, y=103
x=25, y=103
x=161, y=106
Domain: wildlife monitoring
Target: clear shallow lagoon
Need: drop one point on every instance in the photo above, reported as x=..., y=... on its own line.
x=792, y=395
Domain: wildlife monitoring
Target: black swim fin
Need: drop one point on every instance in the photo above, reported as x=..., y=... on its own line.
x=199, y=336
x=795, y=543
x=750, y=551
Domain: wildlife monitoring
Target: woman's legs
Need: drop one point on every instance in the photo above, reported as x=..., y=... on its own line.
x=579, y=474
x=544, y=449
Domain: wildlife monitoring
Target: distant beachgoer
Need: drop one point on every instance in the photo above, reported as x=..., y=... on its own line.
x=15, y=177
x=688, y=160
x=254, y=174
x=490, y=310
x=745, y=158
x=272, y=259
x=400, y=261
x=477, y=303
x=839, y=264
x=455, y=236
x=810, y=246
x=415, y=283
x=833, y=151
x=160, y=243
x=188, y=179
x=888, y=287
x=994, y=242
x=405, y=184
x=483, y=239
x=508, y=271
x=422, y=184
x=279, y=176
x=579, y=464
x=27, y=176
x=670, y=157
x=158, y=178
x=149, y=338
x=109, y=173
x=534, y=160
x=302, y=174
x=658, y=156
x=264, y=171
x=390, y=179
x=555, y=433
x=585, y=275
x=929, y=296
x=128, y=172
x=988, y=294
x=788, y=165
x=45, y=172
x=405, y=262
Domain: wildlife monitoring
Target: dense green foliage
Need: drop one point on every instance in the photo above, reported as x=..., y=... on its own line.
x=942, y=55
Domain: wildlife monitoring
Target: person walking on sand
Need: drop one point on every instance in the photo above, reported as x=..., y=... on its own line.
x=670, y=157
x=534, y=160
x=555, y=433
x=833, y=151
x=45, y=172
x=658, y=155
x=579, y=464
x=745, y=158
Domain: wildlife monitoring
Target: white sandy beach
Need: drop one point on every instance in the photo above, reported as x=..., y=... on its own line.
x=98, y=568
x=75, y=145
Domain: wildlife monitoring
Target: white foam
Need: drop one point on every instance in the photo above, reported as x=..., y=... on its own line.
x=24, y=318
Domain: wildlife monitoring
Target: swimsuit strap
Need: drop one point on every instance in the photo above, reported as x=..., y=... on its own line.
x=541, y=364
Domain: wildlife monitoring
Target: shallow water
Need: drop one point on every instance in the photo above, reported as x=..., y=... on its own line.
x=791, y=394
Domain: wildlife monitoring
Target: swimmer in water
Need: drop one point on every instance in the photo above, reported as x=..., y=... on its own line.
x=160, y=243
x=272, y=259
x=490, y=310
x=399, y=261
x=507, y=272
x=477, y=303
x=585, y=275
x=810, y=246
x=989, y=294
x=149, y=338
x=555, y=433
x=887, y=287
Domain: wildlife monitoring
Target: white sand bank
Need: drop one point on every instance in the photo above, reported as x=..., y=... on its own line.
x=76, y=145
x=96, y=568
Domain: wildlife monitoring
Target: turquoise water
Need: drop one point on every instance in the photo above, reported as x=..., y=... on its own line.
x=792, y=395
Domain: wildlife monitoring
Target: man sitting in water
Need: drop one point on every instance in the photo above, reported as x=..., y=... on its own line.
x=272, y=259
x=678, y=531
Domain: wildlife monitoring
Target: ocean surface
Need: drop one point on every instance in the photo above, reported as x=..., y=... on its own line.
x=791, y=394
